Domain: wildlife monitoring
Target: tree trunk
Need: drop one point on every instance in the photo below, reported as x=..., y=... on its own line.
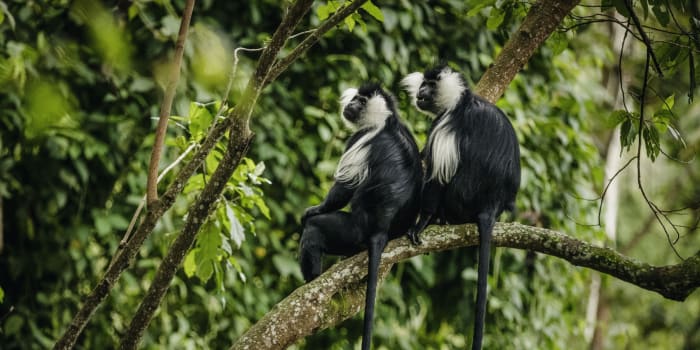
x=542, y=19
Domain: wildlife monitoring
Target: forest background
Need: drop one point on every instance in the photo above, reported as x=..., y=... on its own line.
x=82, y=83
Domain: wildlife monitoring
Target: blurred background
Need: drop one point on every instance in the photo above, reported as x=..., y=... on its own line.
x=80, y=86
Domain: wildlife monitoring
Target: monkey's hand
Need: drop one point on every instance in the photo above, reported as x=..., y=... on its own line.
x=310, y=212
x=414, y=236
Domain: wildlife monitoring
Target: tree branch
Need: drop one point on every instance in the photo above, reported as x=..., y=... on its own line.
x=166, y=105
x=643, y=34
x=338, y=293
x=239, y=142
x=283, y=63
x=542, y=19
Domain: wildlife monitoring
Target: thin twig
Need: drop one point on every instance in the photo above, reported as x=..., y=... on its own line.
x=647, y=42
x=640, y=140
x=167, y=103
x=132, y=223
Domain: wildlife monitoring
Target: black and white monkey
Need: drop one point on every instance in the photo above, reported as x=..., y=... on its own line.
x=472, y=162
x=380, y=176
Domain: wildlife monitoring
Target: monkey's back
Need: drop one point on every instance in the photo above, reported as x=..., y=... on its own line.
x=488, y=175
x=391, y=192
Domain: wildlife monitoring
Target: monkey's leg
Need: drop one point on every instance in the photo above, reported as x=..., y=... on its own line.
x=333, y=233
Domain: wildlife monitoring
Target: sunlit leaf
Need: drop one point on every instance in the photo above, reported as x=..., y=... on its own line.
x=476, y=9
x=260, y=203
x=190, y=265
x=350, y=22
x=373, y=11
x=668, y=103
x=322, y=12
x=496, y=17
x=236, y=233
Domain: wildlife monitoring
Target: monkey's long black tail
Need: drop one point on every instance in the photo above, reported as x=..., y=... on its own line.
x=376, y=247
x=485, y=224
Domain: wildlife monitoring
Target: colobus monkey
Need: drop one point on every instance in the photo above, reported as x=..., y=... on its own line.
x=472, y=164
x=380, y=176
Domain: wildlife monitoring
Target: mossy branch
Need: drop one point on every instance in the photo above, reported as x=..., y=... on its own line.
x=338, y=293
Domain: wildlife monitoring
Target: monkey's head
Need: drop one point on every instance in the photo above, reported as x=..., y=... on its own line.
x=368, y=106
x=436, y=90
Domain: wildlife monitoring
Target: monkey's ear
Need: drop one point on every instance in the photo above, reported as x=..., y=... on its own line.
x=411, y=83
x=346, y=97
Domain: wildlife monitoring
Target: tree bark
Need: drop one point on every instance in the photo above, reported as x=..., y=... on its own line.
x=338, y=293
x=542, y=19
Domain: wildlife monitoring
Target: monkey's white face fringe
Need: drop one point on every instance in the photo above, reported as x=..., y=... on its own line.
x=411, y=83
x=376, y=112
x=352, y=167
x=345, y=99
x=444, y=151
x=450, y=88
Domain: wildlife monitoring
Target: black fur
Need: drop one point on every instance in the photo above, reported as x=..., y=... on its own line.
x=382, y=207
x=486, y=180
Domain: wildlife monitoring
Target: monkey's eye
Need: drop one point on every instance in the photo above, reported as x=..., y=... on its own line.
x=431, y=83
x=362, y=100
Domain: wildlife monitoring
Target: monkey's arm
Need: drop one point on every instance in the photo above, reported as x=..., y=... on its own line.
x=338, y=197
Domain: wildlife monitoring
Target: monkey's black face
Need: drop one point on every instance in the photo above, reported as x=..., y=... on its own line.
x=353, y=111
x=426, y=97
x=436, y=90
x=368, y=106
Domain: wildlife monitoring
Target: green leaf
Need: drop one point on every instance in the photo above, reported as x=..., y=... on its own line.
x=2, y=295
x=645, y=8
x=236, y=233
x=558, y=42
x=677, y=135
x=476, y=9
x=620, y=7
x=625, y=132
x=209, y=241
x=200, y=119
x=323, y=12
x=617, y=117
x=496, y=17
x=668, y=103
x=651, y=141
x=190, y=266
x=133, y=11
x=350, y=23
x=260, y=203
x=661, y=14
x=259, y=168
x=373, y=11
x=205, y=270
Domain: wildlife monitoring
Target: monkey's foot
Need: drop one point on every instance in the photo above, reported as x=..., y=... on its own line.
x=414, y=237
